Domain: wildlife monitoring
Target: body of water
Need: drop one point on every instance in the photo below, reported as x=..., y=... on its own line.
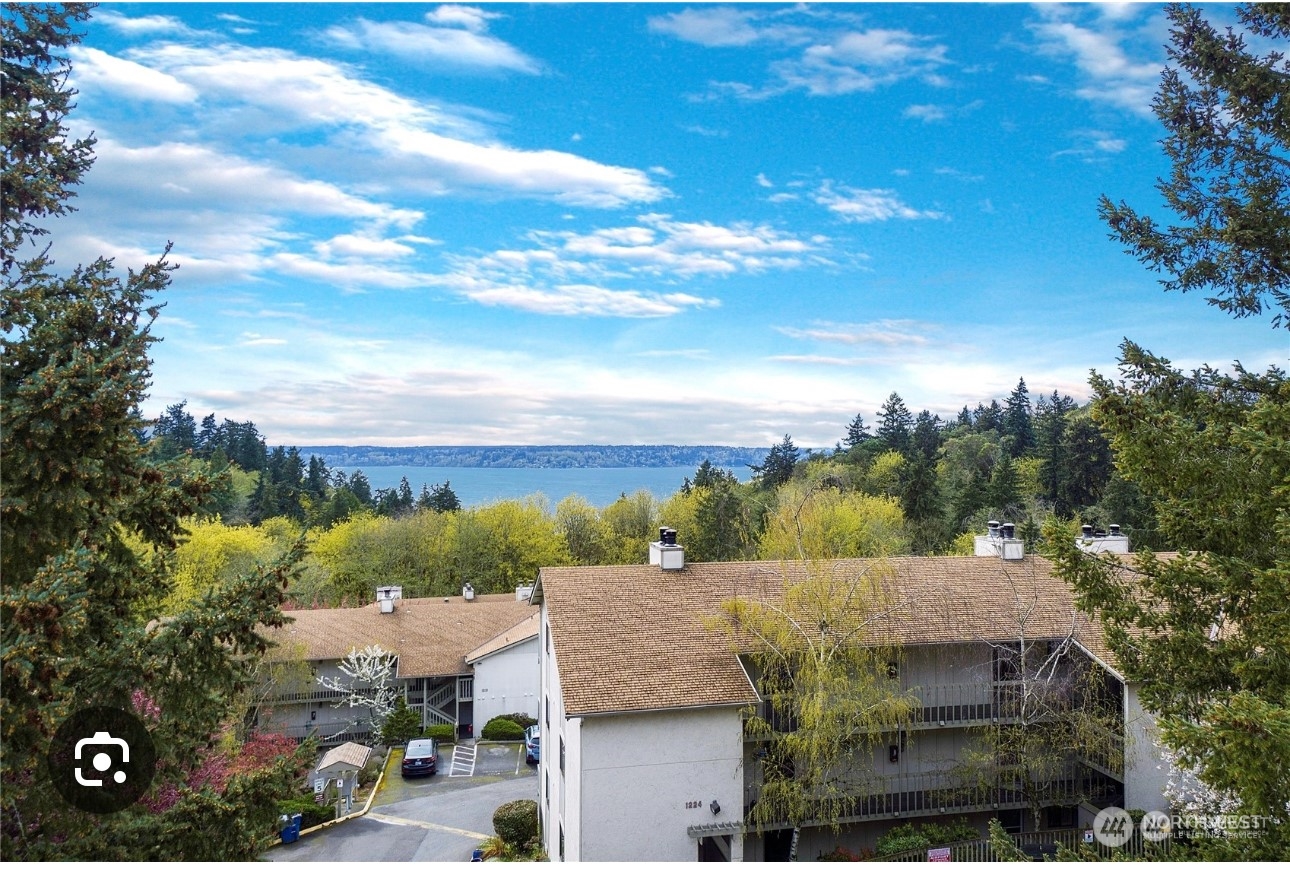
x=483, y=485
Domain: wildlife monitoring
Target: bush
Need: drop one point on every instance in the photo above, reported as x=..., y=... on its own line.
x=909, y=837
x=311, y=814
x=401, y=725
x=501, y=728
x=441, y=733
x=516, y=822
x=523, y=720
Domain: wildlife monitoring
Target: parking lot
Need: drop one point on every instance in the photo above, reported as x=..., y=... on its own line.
x=432, y=819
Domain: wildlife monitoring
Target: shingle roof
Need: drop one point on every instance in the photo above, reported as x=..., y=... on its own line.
x=350, y=756
x=526, y=629
x=430, y=635
x=636, y=637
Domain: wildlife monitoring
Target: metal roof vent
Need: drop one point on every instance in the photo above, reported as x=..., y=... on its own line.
x=387, y=595
x=468, y=592
x=665, y=553
x=1111, y=540
x=1000, y=540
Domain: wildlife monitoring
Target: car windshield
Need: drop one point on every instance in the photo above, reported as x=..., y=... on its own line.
x=420, y=748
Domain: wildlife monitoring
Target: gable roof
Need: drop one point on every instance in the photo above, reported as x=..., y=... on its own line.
x=348, y=756
x=525, y=630
x=635, y=637
x=430, y=635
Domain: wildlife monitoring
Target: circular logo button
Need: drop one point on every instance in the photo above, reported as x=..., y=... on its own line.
x=101, y=759
x=1112, y=827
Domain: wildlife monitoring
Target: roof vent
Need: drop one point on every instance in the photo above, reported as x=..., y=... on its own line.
x=1000, y=540
x=468, y=592
x=665, y=553
x=1102, y=541
x=387, y=595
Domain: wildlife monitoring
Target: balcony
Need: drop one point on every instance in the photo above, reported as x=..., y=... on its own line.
x=937, y=792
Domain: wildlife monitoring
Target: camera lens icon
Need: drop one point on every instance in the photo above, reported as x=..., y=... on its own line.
x=101, y=759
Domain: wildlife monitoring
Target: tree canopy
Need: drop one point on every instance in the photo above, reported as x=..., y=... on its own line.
x=89, y=521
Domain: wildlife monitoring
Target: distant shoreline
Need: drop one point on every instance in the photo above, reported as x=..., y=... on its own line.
x=552, y=456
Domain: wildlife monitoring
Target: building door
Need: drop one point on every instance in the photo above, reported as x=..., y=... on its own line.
x=714, y=848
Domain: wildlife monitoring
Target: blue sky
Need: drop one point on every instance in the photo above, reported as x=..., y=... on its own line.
x=414, y=224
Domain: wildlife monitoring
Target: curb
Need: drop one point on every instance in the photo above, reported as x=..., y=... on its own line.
x=376, y=787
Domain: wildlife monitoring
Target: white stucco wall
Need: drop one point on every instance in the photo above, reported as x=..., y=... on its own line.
x=507, y=682
x=1144, y=778
x=645, y=778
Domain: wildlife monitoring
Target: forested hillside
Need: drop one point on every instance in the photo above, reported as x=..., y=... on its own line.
x=908, y=483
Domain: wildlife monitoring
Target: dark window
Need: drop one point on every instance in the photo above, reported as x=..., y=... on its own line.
x=561, y=755
x=561, y=842
x=1007, y=662
x=1060, y=817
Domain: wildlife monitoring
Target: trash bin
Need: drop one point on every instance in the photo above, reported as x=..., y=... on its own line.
x=476, y=855
x=291, y=828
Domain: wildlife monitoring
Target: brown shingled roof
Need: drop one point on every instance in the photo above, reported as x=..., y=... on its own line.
x=430, y=635
x=634, y=637
x=527, y=629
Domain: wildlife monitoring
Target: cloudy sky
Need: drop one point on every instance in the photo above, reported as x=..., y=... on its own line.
x=609, y=223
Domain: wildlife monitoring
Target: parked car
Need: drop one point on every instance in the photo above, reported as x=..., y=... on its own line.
x=421, y=757
x=532, y=744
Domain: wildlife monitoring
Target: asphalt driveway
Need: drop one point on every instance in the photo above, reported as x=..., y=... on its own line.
x=429, y=819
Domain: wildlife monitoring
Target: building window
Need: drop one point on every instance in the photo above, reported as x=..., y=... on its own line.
x=561, y=755
x=561, y=842
x=1007, y=662
x=546, y=779
x=548, y=714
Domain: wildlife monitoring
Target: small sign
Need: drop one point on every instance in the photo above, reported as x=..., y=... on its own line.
x=938, y=854
x=318, y=799
x=319, y=785
x=1088, y=836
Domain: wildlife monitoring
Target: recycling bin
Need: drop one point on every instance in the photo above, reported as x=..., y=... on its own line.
x=291, y=828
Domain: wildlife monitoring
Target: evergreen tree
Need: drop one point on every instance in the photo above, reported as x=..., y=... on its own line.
x=443, y=499
x=1204, y=633
x=778, y=467
x=77, y=615
x=1017, y=421
x=360, y=488
x=926, y=438
x=1051, y=446
x=894, y=424
x=1224, y=109
x=857, y=432
x=1003, y=496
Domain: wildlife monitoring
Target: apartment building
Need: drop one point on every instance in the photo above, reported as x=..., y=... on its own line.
x=645, y=698
x=443, y=648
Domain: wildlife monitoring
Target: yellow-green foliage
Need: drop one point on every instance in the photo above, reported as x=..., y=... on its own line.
x=1028, y=483
x=820, y=522
x=818, y=658
x=214, y=555
x=633, y=522
x=883, y=476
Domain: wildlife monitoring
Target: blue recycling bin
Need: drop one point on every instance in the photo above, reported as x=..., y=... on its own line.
x=291, y=828
x=476, y=855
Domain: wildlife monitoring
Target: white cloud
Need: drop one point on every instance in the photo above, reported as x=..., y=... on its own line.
x=420, y=146
x=887, y=332
x=818, y=50
x=586, y=300
x=764, y=182
x=470, y=17
x=868, y=204
x=144, y=25
x=452, y=46
x=925, y=112
x=713, y=26
x=97, y=69
x=1109, y=74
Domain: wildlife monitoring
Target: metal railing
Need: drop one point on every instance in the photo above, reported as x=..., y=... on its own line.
x=937, y=792
x=1041, y=845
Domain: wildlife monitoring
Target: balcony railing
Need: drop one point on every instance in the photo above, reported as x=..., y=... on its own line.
x=938, y=792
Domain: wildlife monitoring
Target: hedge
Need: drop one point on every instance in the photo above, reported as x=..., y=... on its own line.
x=501, y=728
x=440, y=732
x=516, y=822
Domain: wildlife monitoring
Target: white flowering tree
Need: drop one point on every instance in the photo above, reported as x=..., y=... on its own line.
x=369, y=673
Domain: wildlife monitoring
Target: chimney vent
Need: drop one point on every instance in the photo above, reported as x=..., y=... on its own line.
x=1099, y=541
x=387, y=595
x=1000, y=540
x=468, y=592
x=665, y=553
